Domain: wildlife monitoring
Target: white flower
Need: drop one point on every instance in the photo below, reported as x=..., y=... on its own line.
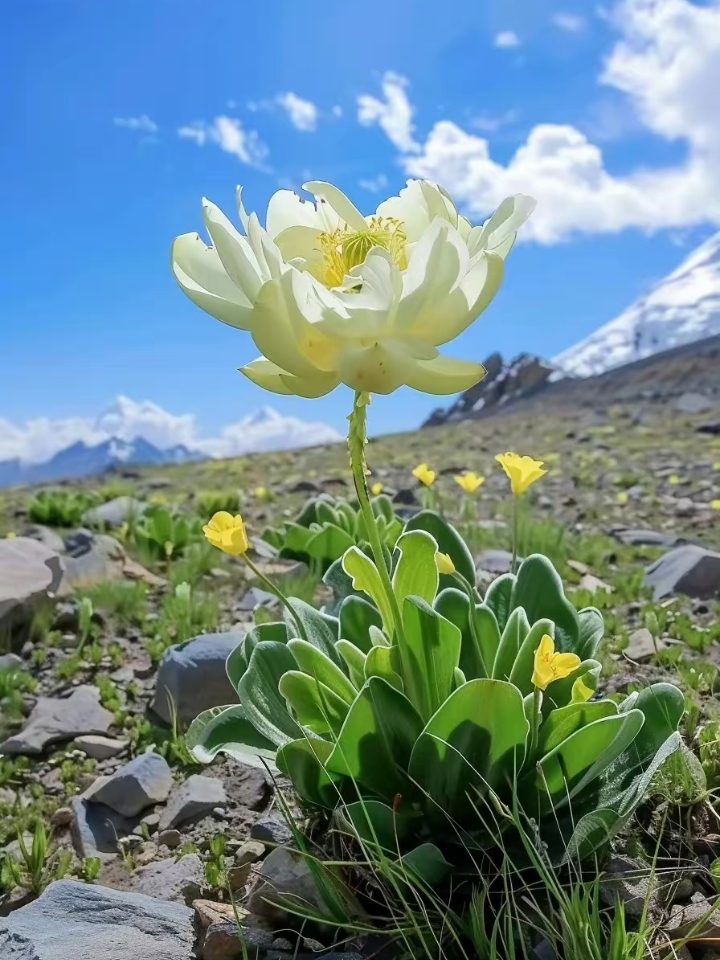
x=330, y=296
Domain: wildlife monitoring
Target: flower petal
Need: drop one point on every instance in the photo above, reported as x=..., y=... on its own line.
x=345, y=208
x=202, y=277
x=287, y=209
x=271, y=377
x=478, y=287
x=444, y=375
x=266, y=374
x=234, y=251
x=498, y=233
x=300, y=242
x=368, y=313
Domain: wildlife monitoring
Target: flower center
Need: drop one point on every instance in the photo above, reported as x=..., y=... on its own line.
x=344, y=249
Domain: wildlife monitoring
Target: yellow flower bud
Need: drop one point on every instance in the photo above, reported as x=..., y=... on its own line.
x=376, y=489
x=227, y=533
x=444, y=563
x=714, y=504
x=470, y=482
x=622, y=498
x=521, y=471
x=424, y=474
x=549, y=666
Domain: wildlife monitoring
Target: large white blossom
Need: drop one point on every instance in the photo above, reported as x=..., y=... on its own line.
x=330, y=296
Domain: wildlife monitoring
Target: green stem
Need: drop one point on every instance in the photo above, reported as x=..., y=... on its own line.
x=516, y=533
x=471, y=595
x=357, y=440
x=535, y=722
x=270, y=586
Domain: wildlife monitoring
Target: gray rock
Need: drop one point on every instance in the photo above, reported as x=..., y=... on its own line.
x=81, y=921
x=270, y=830
x=712, y=428
x=100, y=748
x=254, y=598
x=29, y=573
x=630, y=882
x=684, y=507
x=105, y=560
x=594, y=584
x=698, y=918
x=222, y=942
x=284, y=876
x=192, y=676
x=171, y=838
x=193, y=799
x=493, y=561
x=11, y=661
x=650, y=538
x=47, y=536
x=138, y=784
x=642, y=645
x=114, y=513
x=54, y=720
x=178, y=880
x=691, y=570
x=79, y=541
x=249, y=852
x=95, y=829
x=693, y=403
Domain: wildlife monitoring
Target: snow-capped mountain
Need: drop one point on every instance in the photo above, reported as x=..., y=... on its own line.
x=81, y=460
x=682, y=308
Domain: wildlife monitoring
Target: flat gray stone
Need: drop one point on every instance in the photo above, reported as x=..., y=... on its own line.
x=180, y=881
x=494, y=561
x=81, y=921
x=285, y=877
x=95, y=829
x=650, y=538
x=114, y=513
x=691, y=570
x=628, y=881
x=254, y=598
x=144, y=781
x=29, y=573
x=194, y=798
x=11, y=661
x=100, y=748
x=54, y=720
x=192, y=676
x=694, y=403
x=47, y=536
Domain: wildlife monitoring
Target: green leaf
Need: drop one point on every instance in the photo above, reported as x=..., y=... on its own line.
x=454, y=605
x=374, y=822
x=427, y=864
x=382, y=506
x=238, y=660
x=562, y=723
x=513, y=636
x=259, y=694
x=321, y=630
x=357, y=615
x=376, y=740
x=355, y=660
x=317, y=707
x=228, y=730
x=311, y=661
x=365, y=577
x=296, y=538
x=662, y=705
x=522, y=670
x=470, y=744
x=429, y=653
x=448, y=540
x=325, y=513
x=538, y=590
x=559, y=692
x=338, y=581
x=591, y=630
x=416, y=573
x=498, y=596
x=384, y=662
x=304, y=762
x=329, y=543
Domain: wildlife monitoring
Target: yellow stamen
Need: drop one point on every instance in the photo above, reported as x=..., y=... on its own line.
x=344, y=249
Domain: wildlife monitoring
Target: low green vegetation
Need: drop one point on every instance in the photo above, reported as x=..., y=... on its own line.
x=59, y=508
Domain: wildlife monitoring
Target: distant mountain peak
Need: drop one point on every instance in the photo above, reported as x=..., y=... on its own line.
x=680, y=309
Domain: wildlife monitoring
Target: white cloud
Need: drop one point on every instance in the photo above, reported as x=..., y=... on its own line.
x=506, y=40
x=666, y=63
x=143, y=123
x=569, y=22
x=302, y=113
x=374, y=184
x=393, y=114
x=229, y=134
x=39, y=439
x=491, y=124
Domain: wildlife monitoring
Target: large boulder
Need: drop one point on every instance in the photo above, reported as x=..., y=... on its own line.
x=81, y=921
x=114, y=513
x=192, y=676
x=95, y=829
x=55, y=720
x=29, y=573
x=691, y=570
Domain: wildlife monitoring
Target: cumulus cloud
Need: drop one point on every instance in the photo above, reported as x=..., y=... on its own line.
x=393, y=114
x=666, y=63
x=143, y=123
x=506, y=40
x=303, y=114
x=229, y=134
x=39, y=439
x=569, y=22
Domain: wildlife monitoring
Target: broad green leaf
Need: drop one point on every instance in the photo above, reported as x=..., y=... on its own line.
x=663, y=705
x=475, y=654
x=304, y=762
x=238, y=660
x=591, y=630
x=338, y=581
x=470, y=744
x=429, y=653
x=326, y=513
x=427, y=864
x=296, y=538
x=382, y=506
x=498, y=596
x=357, y=615
x=538, y=590
x=347, y=516
x=308, y=512
x=448, y=540
x=375, y=822
x=384, y=662
x=365, y=577
x=311, y=661
x=522, y=670
x=329, y=543
x=376, y=740
x=513, y=637
x=321, y=630
x=259, y=694
x=378, y=638
x=228, y=730
x=355, y=660
x=416, y=573
x=562, y=723
x=316, y=706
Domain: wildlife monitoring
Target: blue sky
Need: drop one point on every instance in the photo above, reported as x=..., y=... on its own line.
x=96, y=180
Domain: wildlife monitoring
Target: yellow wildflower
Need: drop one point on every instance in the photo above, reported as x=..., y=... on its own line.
x=376, y=489
x=522, y=471
x=470, y=482
x=714, y=504
x=12, y=535
x=261, y=493
x=424, y=474
x=622, y=498
x=444, y=563
x=551, y=666
x=674, y=480
x=227, y=533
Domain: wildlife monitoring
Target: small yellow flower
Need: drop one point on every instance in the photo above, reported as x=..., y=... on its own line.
x=11, y=536
x=227, y=533
x=551, y=666
x=716, y=466
x=444, y=563
x=376, y=489
x=674, y=480
x=424, y=474
x=714, y=504
x=622, y=498
x=470, y=482
x=261, y=493
x=522, y=471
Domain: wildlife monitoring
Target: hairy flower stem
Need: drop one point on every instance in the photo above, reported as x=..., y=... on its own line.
x=270, y=586
x=535, y=721
x=357, y=440
x=516, y=533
